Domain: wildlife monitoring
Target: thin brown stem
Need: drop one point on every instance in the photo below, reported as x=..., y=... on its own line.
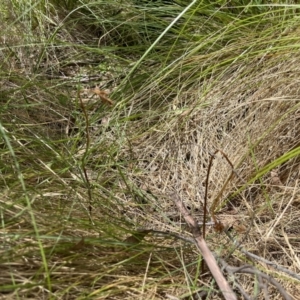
x=87, y=146
x=206, y=253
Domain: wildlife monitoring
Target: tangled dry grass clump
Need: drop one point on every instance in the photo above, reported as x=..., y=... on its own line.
x=252, y=117
x=90, y=186
x=251, y=112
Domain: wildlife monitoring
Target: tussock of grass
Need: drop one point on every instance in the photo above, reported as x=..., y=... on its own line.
x=225, y=76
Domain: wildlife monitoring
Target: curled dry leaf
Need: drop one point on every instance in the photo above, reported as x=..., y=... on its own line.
x=103, y=95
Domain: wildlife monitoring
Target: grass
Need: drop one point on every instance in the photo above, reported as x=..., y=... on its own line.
x=79, y=176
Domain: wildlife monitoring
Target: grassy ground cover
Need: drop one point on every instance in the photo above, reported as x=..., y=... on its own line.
x=108, y=108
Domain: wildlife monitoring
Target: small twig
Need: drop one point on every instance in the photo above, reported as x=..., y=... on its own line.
x=206, y=253
x=227, y=267
x=245, y=295
x=251, y=270
x=256, y=257
x=264, y=287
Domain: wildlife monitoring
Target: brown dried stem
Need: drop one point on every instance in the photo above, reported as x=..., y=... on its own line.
x=217, y=199
x=206, y=253
x=87, y=181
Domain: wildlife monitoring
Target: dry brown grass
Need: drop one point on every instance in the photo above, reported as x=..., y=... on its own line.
x=148, y=145
x=251, y=112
